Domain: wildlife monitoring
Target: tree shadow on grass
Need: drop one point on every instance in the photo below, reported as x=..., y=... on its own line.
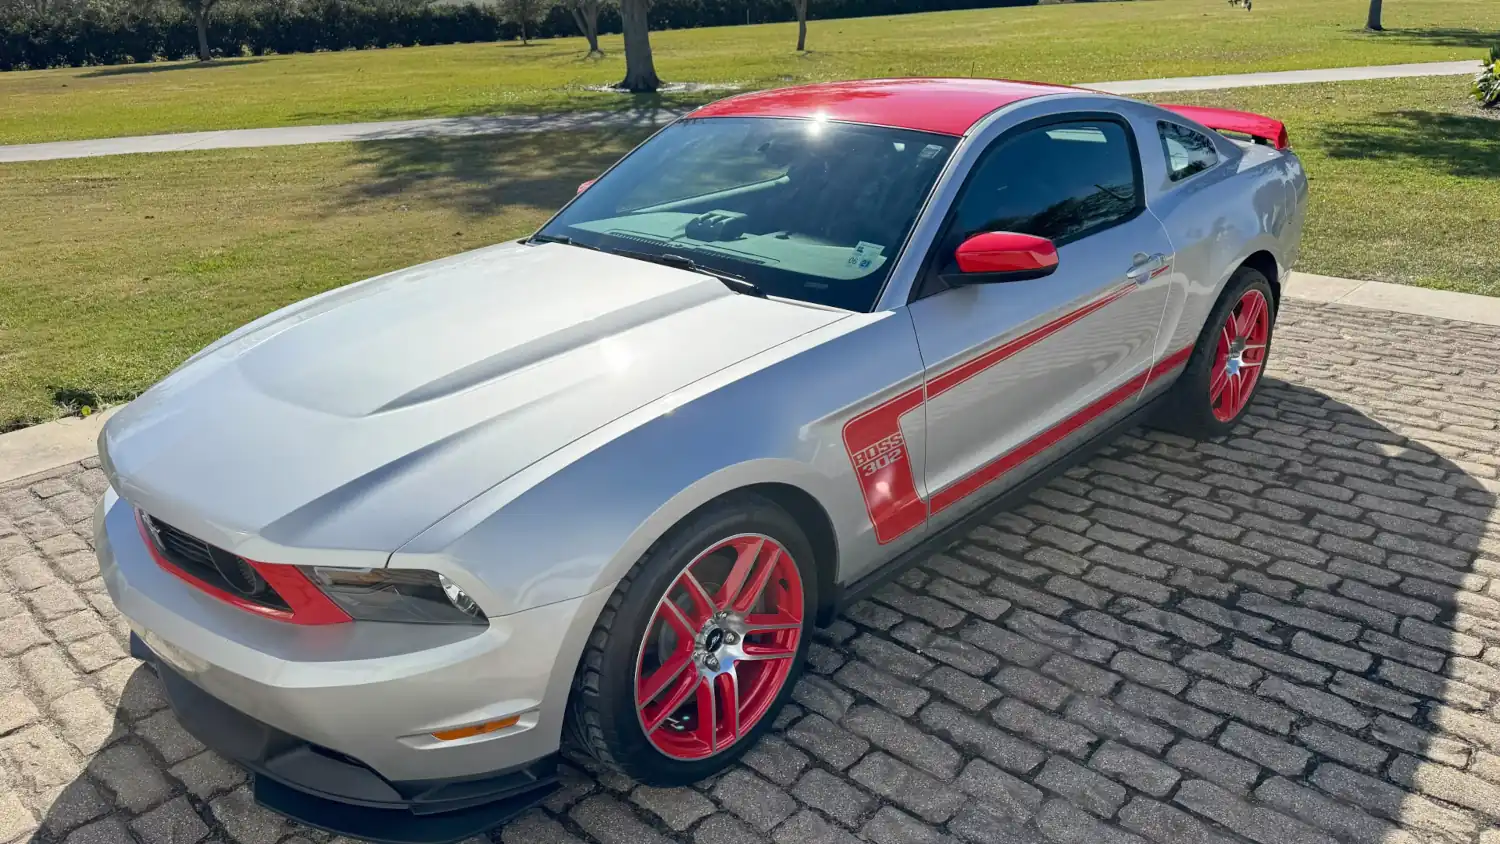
x=1467, y=146
x=571, y=102
x=1445, y=37
x=163, y=67
x=483, y=174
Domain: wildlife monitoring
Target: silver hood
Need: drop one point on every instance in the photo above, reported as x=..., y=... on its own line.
x=356, y=419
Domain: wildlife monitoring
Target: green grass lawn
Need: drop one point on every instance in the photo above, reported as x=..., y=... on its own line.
x=117, y=268
x=1404, y=173
x=1057, y=43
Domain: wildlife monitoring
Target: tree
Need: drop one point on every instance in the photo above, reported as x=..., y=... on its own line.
x=525, y=14
x=200, y=10
x=586, y=15
x=1372, y=22
x=801, y=7
x=640, y=70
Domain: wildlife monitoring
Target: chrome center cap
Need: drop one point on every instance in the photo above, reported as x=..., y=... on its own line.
x=720, y=644
x=1236, y=360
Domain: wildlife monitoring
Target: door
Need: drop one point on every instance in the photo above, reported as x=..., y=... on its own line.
x=1018, y=373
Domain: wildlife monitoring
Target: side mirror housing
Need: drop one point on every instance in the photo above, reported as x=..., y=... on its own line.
x=583, y=186
x=993, y=257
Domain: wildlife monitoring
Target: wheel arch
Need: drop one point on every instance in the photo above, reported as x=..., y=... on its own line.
x=815, y=522
x=1265, y=263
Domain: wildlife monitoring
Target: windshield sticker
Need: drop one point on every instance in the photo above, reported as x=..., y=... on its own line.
x=864, y=254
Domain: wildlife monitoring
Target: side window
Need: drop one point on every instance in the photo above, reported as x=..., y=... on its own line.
x=1187, y=152
x=1060, y=181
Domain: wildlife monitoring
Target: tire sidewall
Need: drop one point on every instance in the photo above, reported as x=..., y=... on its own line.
x=635, y=753
x=1193, y=399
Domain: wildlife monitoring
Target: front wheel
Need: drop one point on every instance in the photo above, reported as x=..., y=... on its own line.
x=699, y=646
x=1226, y=365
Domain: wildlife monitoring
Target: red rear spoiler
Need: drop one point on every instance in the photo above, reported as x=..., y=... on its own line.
x=1257, y=126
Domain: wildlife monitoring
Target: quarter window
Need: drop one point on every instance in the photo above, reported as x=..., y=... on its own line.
x=1187, y=152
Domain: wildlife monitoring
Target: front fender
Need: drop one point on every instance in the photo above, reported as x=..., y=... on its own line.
x=577, y=520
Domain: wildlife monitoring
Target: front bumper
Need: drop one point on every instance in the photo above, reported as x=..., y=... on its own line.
x=335, y=792
x=342, y=715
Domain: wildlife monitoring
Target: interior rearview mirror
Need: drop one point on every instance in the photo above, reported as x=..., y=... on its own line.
x=992, y=257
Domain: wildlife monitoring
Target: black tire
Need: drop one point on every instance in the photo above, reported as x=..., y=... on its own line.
x=1188, y=410
x=602, y=717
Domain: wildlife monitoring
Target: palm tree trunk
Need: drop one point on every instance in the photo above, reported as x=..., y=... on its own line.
x=801, y=25
x=640, y=70
x=202, y=15
x=1373, y=21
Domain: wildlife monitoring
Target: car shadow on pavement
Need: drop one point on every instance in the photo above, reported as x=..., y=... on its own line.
x=1292, y=633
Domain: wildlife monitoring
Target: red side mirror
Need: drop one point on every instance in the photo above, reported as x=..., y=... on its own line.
x=1004, y=256
x=585, y=185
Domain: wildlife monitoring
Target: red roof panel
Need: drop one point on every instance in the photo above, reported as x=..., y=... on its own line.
x=945, y=106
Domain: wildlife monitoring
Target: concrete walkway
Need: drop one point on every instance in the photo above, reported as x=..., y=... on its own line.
x=508, y=124
x=1286, y=77
x=41, y=448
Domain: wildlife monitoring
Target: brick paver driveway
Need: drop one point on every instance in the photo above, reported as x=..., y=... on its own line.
x=1290, y=637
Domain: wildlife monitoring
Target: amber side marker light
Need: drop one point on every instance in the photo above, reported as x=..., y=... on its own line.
x=477, y=729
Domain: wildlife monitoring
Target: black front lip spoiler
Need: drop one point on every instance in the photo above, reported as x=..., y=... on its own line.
x=335, y=792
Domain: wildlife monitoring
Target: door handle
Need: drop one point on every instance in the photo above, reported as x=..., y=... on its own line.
x=1145, y=267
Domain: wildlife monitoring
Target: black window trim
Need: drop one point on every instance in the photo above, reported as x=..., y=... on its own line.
x=919, y=289
x=1167, y=156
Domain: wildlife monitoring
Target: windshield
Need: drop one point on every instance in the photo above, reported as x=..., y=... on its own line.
x=803, y=209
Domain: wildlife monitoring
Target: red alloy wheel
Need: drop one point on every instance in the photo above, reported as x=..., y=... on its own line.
x=1240, y=356
x=719, y=647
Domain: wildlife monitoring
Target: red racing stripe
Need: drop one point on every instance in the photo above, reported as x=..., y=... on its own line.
x=995, y=469
x=879, y=452
x=957, y=375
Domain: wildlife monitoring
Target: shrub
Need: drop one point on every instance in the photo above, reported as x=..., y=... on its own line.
x=1487, y=83
x=93, y=38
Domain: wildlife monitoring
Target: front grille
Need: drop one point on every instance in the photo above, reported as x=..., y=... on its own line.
x=213, y=566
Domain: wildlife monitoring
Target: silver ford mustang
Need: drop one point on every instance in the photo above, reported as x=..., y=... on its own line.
x=388, y=546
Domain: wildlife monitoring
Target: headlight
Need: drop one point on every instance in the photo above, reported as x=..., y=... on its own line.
x=413, y=596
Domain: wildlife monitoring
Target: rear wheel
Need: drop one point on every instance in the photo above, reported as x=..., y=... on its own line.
x=699, y=646
x=1226, y=365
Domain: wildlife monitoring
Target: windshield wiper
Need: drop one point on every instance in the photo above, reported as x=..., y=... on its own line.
x=738, y=284
x=559, y=238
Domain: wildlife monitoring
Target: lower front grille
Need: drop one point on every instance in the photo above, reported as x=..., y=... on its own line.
x=214, y=567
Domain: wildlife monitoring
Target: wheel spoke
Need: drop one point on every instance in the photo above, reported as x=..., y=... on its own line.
x=1250, y=317
x=672, y=614
x=757, y=651
x=753, y=589
x=1218, y=382
x=1232, y=395
x=744, y=565
x=662, y=677
x=708, y=716
x=731, y=696
x=1226, y=339
x=677, y=699
x=702, y=601
x=752, y=626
